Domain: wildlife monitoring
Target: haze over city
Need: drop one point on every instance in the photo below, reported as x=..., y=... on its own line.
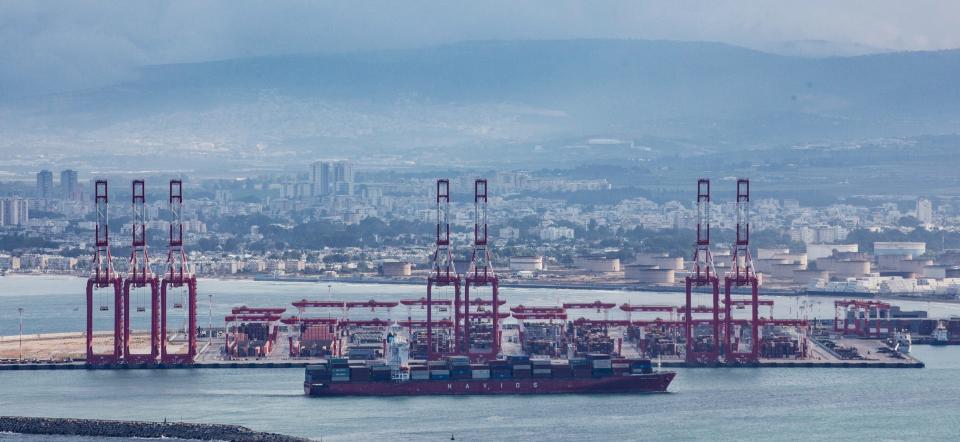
x=746, y=202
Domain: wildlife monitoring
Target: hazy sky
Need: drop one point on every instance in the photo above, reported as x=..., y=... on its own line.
x=70, y=44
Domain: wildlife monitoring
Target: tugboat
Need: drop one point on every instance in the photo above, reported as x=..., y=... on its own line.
x=940, y=335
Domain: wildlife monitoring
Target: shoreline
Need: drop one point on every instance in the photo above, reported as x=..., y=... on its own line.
x=597, y=286
x=137, y=429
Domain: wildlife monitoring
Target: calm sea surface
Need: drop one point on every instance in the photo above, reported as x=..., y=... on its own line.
x=715, y=404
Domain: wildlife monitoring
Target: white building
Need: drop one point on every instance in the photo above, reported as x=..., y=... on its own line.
x=554, y=233
x=14, y=212
x=9, y=262
x=924, y=211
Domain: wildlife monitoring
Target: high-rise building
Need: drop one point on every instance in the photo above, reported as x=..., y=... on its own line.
x=343, y=178
x=331, y=178
x=924, y=211
x=45, y=184
x=14, y=212
x=69, y=189
x=320, y=178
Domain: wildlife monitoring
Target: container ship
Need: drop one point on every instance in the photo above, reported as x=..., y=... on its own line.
x=456, y=375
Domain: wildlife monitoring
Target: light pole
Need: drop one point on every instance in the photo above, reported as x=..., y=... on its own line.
x=210, y=319
x=20, y=315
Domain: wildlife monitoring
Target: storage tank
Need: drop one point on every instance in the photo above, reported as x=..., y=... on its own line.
x=899, y=248
x=396, y=268
x=597, y=264
x=649, y=275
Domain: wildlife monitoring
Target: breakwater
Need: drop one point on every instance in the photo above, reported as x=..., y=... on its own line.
x=129, y=429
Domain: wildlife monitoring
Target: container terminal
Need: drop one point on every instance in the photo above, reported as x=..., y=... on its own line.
x=464, y=315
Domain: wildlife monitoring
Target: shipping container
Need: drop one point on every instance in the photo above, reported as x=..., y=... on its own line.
x=602, y=372
x=584, y=372
x=602, y=363
x=518, y=359
x=521, y=373
x=480, y=374
x=542, y=373
x=596, y=356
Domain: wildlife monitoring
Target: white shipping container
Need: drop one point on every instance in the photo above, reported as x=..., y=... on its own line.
x=481, y=374
x=602, y=363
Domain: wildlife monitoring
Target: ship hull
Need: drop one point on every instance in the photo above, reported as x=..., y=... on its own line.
x=635, y=383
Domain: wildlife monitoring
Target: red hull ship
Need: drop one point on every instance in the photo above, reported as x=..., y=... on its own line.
x=597, y=373
x=631, y=383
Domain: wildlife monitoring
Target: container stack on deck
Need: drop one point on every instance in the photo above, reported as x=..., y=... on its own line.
x=366, y=343
x=481, y=337
x=460, y=368
x=442, y=339
x=591, y=339
x=543, y=339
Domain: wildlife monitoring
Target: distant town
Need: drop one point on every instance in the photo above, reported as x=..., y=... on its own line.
x=332, y=222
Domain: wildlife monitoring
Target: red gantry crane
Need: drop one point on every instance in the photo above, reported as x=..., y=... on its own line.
x=179, y=278
x=480, y=331
x=443, y=274
x=103, y=279
x=702, y=351
x=140, y=277
x=741, y=274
